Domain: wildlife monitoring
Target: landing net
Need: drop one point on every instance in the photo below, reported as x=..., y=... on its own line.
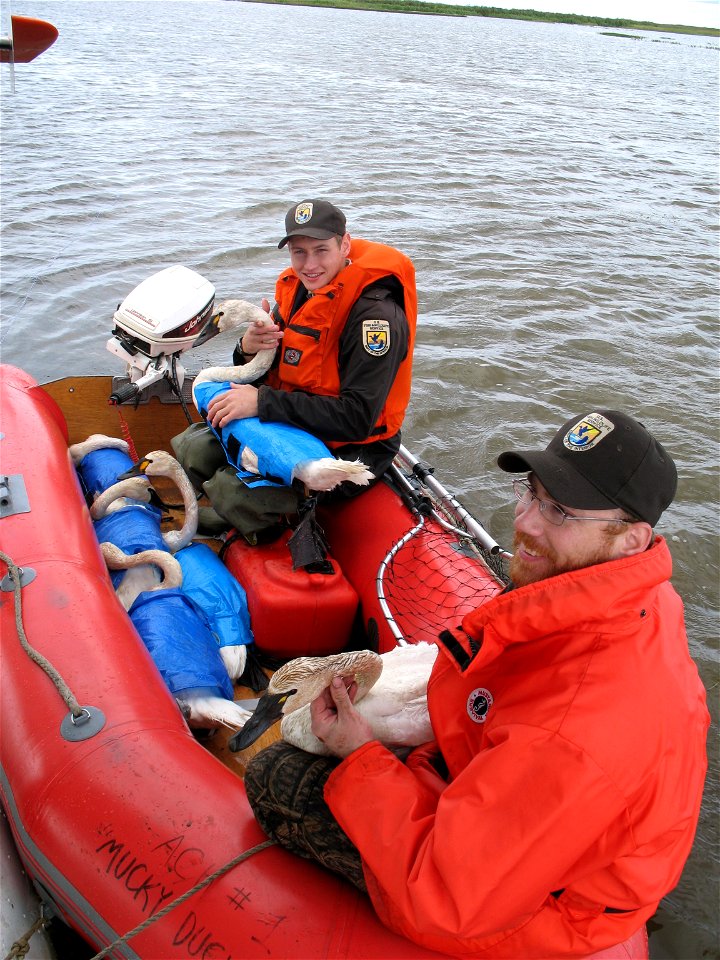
x=445, y=566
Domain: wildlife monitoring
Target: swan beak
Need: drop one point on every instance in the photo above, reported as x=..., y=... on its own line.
x=210, y=330
x=136, y=470
x=268, y=711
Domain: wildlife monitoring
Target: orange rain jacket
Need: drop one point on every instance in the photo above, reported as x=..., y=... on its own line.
x=574, y=738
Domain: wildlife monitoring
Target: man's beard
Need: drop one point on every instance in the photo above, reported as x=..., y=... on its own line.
x=522, y=573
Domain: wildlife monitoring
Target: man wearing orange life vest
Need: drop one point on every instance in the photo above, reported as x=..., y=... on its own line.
x=345, y=318
x=558, y=803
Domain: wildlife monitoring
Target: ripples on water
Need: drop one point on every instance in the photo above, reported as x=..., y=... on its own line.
x=556, y=187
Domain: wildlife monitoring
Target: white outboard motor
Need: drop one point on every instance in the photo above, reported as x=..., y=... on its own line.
x=162, y=317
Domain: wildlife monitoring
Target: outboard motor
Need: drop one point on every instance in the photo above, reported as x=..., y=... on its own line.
x=163, y=316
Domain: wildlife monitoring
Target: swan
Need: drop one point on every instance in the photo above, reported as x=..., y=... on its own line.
x=142, y=571
x=292, y=454
x=96, y=441
x=391, y=695
x=204, y=711
x=231, y=315
x=139, y=578
x=159, y=463
x=201, y=706
x=120, y=495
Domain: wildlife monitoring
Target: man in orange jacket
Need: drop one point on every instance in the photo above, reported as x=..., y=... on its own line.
x=344, y=320
x=344, y=325
x=559, y=800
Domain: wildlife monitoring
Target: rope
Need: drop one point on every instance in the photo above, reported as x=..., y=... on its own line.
x=22, y=945
x=15, y=574
x=185, y=896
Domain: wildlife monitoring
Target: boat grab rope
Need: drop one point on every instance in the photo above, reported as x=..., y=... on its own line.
x=21, y=946
x=15, y=574
x=246, y=854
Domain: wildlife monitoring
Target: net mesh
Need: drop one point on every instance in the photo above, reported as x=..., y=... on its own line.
x=433, y=577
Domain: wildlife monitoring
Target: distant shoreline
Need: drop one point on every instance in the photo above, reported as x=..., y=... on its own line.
x=446, y=10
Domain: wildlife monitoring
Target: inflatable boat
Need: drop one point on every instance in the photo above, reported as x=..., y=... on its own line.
x=136, y=832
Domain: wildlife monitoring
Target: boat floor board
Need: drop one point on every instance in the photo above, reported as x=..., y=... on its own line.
x=85, y=400
x=217, y=743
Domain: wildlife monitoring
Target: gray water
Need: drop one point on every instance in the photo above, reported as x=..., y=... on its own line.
x=556, y=186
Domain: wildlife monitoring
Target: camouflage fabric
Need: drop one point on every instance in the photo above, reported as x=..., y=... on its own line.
x=254, y=511
x=285, y=789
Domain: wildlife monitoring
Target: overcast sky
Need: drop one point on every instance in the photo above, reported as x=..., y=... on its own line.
x=691, y=13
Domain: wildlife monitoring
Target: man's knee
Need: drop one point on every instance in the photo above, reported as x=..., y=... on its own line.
x=285, y=786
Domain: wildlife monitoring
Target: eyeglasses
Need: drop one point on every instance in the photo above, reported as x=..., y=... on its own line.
x=549, y=510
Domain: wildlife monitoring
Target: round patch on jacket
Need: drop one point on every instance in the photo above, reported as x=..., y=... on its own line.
x=376, y=337
x=478, y=704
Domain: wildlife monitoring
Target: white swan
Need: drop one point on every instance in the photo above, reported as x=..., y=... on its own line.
x=201, y=709
x=232, y=314
x=391, y=695
x=208, y=712
x=159, y=463
x=323, y=473
x=143, y=571
x=119, y=495
x=97, y=441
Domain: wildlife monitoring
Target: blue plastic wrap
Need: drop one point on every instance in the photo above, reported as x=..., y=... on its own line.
x=180, y=642
x=279, y=447
x=208, y=582
x=133, y=529
x=101, y=468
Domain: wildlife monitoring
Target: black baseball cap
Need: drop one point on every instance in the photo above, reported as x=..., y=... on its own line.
x=600, y=461
x=319, y=219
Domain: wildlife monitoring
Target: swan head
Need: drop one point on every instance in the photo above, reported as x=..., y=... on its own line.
x=230, y=315
x=157, y=463
x=300, y=681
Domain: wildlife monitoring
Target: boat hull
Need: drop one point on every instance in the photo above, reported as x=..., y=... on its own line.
x=115, y=827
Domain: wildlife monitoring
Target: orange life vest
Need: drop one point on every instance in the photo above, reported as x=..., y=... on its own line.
x=310, y=345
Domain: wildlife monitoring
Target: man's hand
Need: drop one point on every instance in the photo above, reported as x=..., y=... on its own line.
x=336, y=722
x=239, y=402
x=260, y=336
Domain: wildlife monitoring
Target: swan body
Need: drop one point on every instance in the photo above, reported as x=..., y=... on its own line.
x=391, y=695
x=291, y=460
x=280, y=451
x=143, y=571
x=209, y=583
x=96, y=441
x=205, y=711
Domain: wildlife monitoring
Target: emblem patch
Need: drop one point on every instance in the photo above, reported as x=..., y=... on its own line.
x=376, y=337
x=303, y=212
x=292, y=357
x=588, y=432
x=478, y=704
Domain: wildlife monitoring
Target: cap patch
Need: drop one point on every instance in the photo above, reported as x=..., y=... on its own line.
x=303, y=213
x=478, y=704
x=376, y=337
x=588, y=432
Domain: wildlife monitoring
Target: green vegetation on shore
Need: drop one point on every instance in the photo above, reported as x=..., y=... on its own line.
x=446, y=10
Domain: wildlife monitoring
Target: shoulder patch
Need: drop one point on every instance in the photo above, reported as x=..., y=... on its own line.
x=376, y=337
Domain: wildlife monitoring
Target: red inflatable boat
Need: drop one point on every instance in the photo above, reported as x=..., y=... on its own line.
x=119, y=812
